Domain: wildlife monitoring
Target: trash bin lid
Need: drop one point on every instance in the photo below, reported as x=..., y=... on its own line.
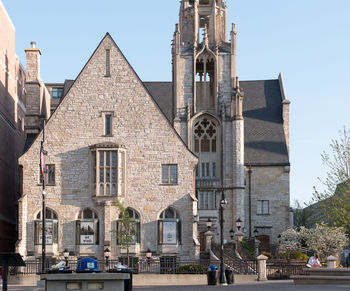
x=213, y=268
x=87, y=264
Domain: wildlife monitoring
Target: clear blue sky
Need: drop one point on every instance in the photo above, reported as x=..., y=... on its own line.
x=308, y=41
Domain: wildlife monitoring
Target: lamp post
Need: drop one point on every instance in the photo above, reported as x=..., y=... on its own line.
x=66, y=255
x=43, y=154
x=223, y=202
x=107, y=253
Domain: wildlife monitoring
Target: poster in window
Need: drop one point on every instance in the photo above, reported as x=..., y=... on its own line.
x=87, y=232
x=48, y=232
x=169, y=232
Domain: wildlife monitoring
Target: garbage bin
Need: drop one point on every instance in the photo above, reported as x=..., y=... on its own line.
x=229, y=276
x=212, y=275
x=128, y=282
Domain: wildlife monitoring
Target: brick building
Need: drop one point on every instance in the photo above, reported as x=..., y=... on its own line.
x=167, y=150
x=12, y=136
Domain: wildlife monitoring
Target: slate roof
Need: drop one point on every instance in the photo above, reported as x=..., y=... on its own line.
x=264, y=138
x=265, y=142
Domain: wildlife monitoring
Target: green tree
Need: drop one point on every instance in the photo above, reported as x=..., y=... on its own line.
x=303, y=216
x=325, y=240
x=335, y=199
x=126, y=230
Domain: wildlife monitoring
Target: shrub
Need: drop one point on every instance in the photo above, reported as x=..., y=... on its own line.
x=299, y=256
x=249, y=248
x=191, y=269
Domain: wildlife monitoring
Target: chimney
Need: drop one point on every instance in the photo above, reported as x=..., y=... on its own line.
x=32, y=63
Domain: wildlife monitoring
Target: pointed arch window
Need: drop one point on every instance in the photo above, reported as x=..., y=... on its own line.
x=205, y=82
x=169, y=227
x=51, y=227
x=129, y=232
x=87, y=228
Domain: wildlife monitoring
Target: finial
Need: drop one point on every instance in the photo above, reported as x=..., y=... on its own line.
x=32, y=44
x=237, y=83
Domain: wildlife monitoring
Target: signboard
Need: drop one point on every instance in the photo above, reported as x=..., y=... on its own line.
x=48, y=232
x=87, y=232
x=169, y=232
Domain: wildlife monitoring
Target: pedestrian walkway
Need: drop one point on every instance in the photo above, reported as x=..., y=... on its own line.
x=287, y=285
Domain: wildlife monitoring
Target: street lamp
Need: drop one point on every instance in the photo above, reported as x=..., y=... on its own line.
x=43, y=154
x=239, y=223
x=232, y=233
x=209, y=223
x=66, y=255
x=223, y=202
x=107, y=253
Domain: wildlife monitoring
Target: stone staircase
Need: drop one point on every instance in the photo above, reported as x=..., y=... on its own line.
x=234, y=261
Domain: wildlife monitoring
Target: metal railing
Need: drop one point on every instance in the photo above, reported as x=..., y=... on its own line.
x=156, y=266
x=283, y=270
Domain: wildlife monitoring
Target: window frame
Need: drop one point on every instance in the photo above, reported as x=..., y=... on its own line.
x=176, y=219
x=201, y=200
x=94, y=220
x=50, y=217
x=119, y=170
x=261, y=207
x=136, y=219
x=58, y=92
x=50, y=176
x=167, y=178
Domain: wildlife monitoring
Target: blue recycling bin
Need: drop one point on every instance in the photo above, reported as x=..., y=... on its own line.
x=87, y=265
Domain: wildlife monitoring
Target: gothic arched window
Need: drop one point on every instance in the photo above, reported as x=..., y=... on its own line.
x=169, y=227
x=87, y=228
x=51, y=227
x=205, y=138
x=128, y=230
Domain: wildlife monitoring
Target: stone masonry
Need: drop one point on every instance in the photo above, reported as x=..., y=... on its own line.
x=149, y=140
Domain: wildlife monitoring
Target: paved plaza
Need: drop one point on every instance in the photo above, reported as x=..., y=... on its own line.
x=287, y=285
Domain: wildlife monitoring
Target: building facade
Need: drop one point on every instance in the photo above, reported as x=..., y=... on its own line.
x=12, y=135
x=121, y=147
x=169, y=151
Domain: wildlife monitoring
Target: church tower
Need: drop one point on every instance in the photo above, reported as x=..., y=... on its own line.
x=208, y=106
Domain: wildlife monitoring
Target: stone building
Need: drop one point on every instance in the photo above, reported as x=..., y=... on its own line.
x=108, y=139
x=12, y=136
x=169, y=151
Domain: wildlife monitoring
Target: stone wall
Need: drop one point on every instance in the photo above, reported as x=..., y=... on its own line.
x=149, y=140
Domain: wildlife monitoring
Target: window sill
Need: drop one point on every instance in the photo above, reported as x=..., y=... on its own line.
x=107, y=76
x=169, y=184
x=263, y=214
x=107, y=135
x=40, y=184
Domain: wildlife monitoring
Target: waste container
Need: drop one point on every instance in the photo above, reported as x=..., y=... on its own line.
x=87, y=265
x=212, y=275
x=128, y=282
x=229, y=276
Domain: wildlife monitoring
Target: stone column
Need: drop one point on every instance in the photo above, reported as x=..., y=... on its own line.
x=331, y=262
x=262, y=276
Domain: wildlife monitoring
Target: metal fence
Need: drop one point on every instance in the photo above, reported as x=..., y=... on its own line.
x=157, y=266
x=283, y=270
